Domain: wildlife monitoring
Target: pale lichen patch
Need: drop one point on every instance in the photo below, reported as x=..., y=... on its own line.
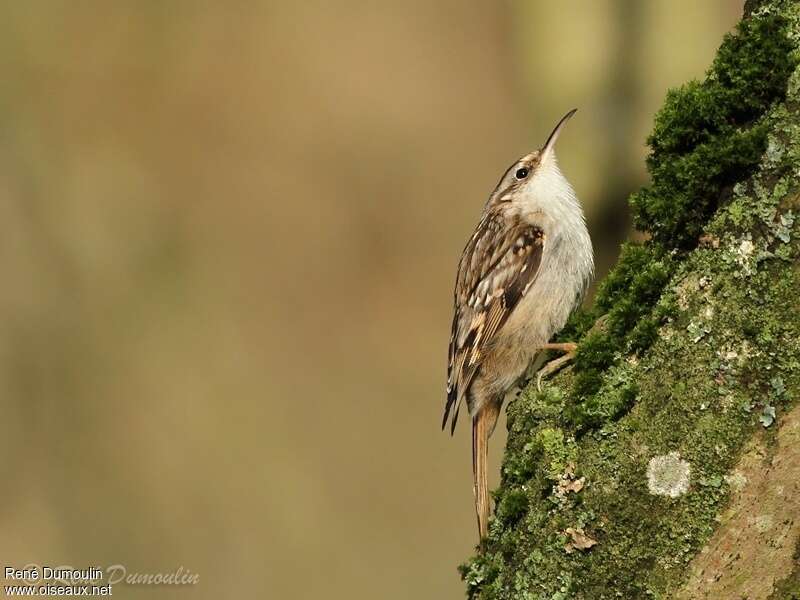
x=743, y=252
x=668, y=475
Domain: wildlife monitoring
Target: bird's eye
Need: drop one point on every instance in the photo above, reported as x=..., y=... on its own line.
x=521, y=173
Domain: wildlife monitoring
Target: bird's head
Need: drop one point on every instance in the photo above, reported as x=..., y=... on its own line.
x=534, y=182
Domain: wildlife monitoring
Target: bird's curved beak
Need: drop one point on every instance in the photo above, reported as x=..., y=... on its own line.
x=547, y=149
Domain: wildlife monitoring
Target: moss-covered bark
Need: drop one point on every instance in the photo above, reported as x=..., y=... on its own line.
x=639, y=447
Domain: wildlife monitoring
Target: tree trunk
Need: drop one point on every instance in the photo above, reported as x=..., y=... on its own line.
x=666, y=462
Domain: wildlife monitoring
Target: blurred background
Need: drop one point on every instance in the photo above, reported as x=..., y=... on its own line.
x=228, y=239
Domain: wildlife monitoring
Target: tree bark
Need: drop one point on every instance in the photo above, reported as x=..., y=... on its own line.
x=666, y=462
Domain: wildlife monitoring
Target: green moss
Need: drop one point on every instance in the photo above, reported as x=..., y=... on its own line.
x=556, y=451
x=511, y=506
x=628, y=299
x=708, y=136
x=711, y=134
x=595, y=354
x=685, y=358
x=599, y=409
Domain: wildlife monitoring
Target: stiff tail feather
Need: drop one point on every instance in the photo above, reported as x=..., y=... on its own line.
x=482, y=427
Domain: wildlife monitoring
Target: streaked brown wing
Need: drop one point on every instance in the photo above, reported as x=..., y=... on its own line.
x=498, y=266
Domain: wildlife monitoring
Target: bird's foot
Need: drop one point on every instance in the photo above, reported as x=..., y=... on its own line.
x=569, y=349
x=555, y=365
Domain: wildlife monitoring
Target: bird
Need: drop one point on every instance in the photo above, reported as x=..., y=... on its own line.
x=524, y=270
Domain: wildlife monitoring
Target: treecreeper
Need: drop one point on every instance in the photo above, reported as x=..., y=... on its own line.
x=523, y=272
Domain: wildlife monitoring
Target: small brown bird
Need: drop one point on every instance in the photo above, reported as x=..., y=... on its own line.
x=522, y=273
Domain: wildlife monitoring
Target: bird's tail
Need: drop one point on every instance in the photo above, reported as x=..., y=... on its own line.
x=482, y=427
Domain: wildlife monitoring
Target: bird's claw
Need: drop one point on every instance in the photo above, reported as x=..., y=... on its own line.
x=554, y=366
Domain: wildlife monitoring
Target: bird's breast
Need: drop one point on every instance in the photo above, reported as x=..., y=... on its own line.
x=558, y=289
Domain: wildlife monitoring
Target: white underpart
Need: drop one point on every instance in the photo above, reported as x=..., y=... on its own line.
x=549, y=202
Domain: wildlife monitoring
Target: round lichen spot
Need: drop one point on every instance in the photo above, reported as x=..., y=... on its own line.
x=668, y=475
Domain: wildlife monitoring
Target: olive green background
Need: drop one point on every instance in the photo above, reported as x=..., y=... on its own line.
x=228, y=237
